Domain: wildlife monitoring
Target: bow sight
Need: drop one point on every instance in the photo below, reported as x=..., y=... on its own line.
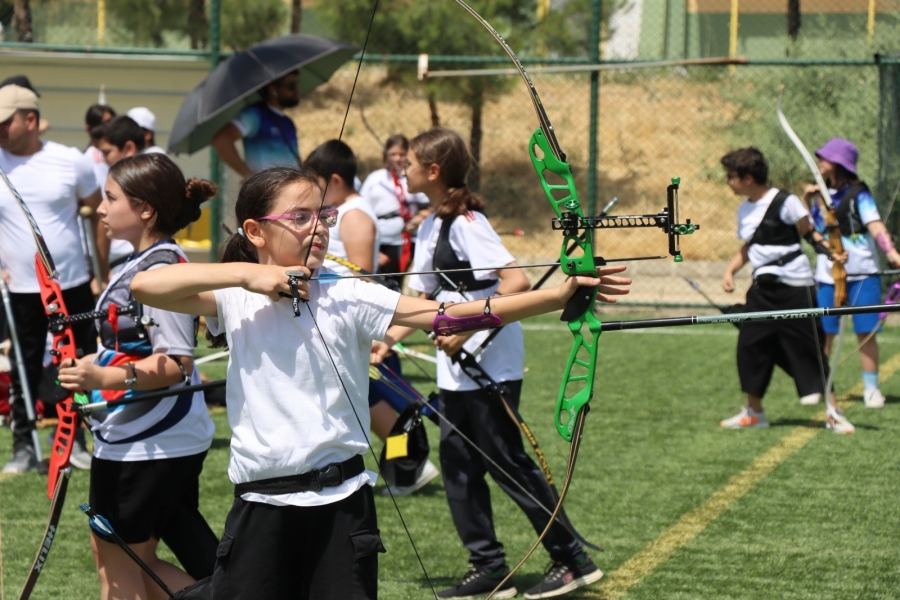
x=667, y=219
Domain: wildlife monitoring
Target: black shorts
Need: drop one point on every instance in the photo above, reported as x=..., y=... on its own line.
x=327, y=552
x=140, y=499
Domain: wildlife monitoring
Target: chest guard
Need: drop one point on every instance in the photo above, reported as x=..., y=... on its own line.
x=772, y=231
x=847, y=212
x=445, y=258
x=131, y=337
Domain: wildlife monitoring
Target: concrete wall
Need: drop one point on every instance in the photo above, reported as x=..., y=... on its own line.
x=70, y=82
x=675, y=29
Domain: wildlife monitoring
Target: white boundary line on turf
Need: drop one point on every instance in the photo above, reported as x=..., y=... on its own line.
x=211, y=357
x=692, y=523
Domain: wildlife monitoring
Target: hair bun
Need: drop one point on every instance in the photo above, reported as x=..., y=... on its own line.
x=199, y=190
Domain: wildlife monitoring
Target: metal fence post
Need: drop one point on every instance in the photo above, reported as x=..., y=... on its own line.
x=215, y=164
x=596, y=12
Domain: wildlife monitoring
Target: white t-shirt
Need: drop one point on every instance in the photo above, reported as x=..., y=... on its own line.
x=154, y=150
x=336, y=244
x=750, y=214
x=169, y=428
x=288, y=409
x=50, y=181
x=101, y=169
x=381, y=192
x=472, y=239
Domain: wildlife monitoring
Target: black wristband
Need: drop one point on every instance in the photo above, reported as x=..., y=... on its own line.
x=818, y=245
x=822, y=248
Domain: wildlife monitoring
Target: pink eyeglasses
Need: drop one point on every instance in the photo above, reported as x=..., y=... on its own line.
x=304, y=219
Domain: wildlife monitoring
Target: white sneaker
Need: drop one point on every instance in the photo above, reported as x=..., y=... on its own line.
x=746, y=419
x=811, y=399
x=837, y=422
x=23, y=461
x=429, y=472
x=873, y=398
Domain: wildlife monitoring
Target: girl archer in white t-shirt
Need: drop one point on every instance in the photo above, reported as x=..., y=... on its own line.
x=457, y=235
x=148, y=456
x=303, y=520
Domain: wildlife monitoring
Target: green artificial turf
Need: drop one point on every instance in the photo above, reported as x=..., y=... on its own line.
x=823, y=524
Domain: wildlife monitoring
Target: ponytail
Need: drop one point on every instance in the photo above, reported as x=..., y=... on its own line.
x=447, y=149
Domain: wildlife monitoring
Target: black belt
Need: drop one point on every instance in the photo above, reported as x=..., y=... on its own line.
x=331, y=476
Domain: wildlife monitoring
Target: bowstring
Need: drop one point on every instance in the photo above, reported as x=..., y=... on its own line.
x=421, y=401
x=815, y=327
x=828, y=381
x=316, y=324
x=371, y=448
x=340, y=137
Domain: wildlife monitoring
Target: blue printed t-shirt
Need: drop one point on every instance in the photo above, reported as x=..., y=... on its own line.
x=860, y=247
x=270, y=137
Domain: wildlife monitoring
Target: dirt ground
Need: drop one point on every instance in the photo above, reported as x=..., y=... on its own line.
x=650, y=131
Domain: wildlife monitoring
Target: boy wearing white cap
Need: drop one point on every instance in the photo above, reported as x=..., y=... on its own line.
x=144, y=117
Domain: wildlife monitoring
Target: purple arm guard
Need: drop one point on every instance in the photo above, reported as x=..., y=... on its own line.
x=444, y=324
x=892, y=297
x=884, y=242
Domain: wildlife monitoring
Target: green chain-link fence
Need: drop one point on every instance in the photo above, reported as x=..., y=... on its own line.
x=654, y=122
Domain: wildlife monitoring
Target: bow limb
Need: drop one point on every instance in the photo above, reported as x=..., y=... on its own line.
x=63, y=348
x=570, y=471
x=832, y=228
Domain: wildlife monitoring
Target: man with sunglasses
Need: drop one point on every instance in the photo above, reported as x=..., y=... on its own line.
x=52, y=179
x=270, y=136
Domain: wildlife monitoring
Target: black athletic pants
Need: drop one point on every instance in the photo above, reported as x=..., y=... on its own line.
x=795, y=345
x=31, y=325
x=327, y=552
x=484, y=420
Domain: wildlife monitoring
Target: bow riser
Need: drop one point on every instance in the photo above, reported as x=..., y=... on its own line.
x=578, y=378
x=63, y=348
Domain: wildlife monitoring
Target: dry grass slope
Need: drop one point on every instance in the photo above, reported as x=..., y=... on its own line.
x=651, y=130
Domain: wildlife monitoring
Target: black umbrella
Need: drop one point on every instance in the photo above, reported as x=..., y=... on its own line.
x=234, y=83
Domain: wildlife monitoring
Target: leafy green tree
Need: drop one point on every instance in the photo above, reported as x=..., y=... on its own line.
x=246, y=22
x=243, y=22
x=146, y=20
x=436, y=28
x=566, y=30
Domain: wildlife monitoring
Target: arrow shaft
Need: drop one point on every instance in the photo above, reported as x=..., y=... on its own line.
x=772, y=315
x=599, y=259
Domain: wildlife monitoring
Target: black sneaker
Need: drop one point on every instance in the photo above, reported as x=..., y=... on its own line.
x=562, y=578
x=480, y=583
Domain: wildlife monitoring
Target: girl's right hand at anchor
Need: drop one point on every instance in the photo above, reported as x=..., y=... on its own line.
x=273, y=281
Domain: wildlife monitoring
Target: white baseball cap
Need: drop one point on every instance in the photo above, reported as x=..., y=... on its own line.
x=144, y=117
x=13, y=98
